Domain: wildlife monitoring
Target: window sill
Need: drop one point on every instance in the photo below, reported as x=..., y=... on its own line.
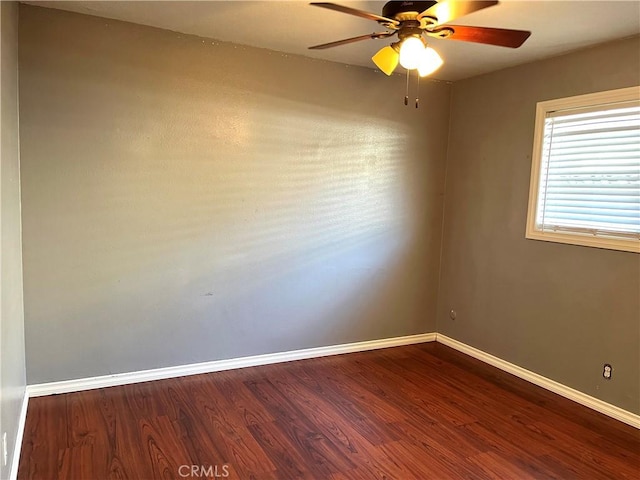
x=585, y=240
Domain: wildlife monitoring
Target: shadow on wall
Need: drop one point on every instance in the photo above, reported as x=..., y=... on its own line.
x=185, y=201
x=207, y=249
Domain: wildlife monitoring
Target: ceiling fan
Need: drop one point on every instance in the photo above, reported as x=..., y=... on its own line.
x=412, y=21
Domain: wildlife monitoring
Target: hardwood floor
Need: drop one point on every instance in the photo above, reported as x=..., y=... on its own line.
x=415, y=412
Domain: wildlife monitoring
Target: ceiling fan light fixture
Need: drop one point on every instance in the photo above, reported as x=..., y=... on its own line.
x=411, y=51
x=386, y=59
x=430, y=61
x=412, y=21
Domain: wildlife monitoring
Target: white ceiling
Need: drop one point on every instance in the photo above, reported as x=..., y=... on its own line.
x=292, y=26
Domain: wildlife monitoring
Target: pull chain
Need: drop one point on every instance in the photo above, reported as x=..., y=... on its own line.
x=418, y=90
x=406, y=94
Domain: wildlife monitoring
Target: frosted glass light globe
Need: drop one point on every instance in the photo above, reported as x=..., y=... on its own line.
x=429, y=62
x=411, y=52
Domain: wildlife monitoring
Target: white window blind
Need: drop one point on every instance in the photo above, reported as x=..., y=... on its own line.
x=589, y=177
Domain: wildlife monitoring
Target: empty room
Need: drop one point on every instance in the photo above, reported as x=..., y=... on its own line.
x=288, y=240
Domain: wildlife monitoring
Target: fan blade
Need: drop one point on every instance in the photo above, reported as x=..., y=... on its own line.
x=351, y=40
x=492, y=36
x=449, y=10
x=356, y=12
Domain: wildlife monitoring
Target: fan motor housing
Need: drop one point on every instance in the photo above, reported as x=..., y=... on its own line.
x=392, y=9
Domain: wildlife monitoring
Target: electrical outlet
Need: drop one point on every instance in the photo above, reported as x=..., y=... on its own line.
x=607, y=371
x=5, y=454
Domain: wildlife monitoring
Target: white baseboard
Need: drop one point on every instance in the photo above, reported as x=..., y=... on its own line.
x=67, y=386
x=15, y=461
x=544, y=382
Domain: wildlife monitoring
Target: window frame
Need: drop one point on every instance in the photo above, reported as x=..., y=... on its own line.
x=572, y=237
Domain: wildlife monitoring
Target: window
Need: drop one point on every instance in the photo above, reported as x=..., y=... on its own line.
x=585, y=171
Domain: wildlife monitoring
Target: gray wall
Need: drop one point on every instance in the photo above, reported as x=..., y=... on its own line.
x=187, y=200
x=12, y=355
x=559, y=310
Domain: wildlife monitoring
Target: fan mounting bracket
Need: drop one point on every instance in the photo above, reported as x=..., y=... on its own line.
x=399, y=9
x=406, y=14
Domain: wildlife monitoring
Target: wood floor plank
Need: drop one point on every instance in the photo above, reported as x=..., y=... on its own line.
x=316, y=448
x=224, y=426
x=512, y=444
x=236, y=395
x=434, y=442
x=289, y=462
x=44, y=436
x=416, y=412
x=203, y=444
x=602, y=458
x=164, y=449
x=76, y=462
x=129, y=446
x=499, y=467
x=367, y=461
x=362, y=419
